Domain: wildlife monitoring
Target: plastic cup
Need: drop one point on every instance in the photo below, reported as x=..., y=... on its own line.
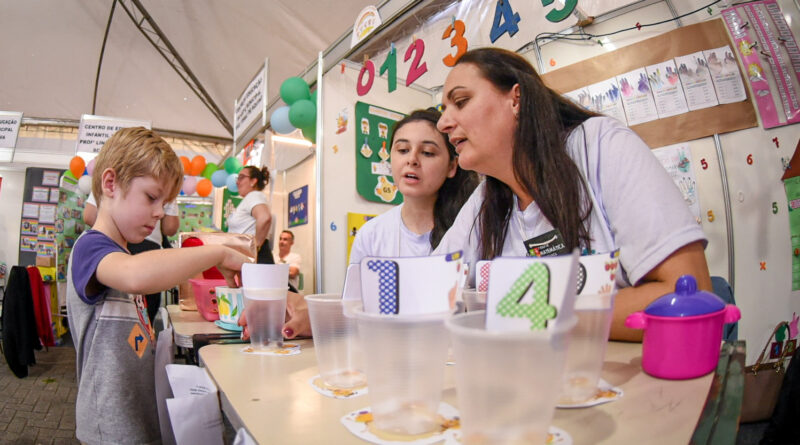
x=336, y=343
x=266, y=314
x=474, y=300
x=587, y=347
x=405, y=359
x=265, y=276
x=505, y=380
x=230, y=304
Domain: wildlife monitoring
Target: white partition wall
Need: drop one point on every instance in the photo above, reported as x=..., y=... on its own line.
x=338, y=174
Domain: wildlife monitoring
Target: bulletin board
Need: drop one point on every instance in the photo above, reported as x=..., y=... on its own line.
x=38, y=222
x=373, y=141
x=680, y=42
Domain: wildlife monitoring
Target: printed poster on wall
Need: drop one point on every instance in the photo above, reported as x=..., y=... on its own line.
x=38, y=221
x=229, y=203
x=194, y=217
x=298, y=207
x=792, y=187
x=354, y=223
x=373, y=139
x=69, y=223
x=677, y=160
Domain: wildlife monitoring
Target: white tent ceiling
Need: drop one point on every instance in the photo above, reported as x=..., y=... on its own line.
x=50, y=53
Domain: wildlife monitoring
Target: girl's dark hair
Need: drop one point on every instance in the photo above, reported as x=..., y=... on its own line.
x=455, y=191
x=261, y=175
x=540, y=160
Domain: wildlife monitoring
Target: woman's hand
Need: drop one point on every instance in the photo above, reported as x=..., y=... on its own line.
x=297, y=312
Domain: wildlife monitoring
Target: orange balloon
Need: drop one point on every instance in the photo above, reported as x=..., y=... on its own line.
x=76, y=166
x=204, y=187
x=198, y=164
x=186, y=165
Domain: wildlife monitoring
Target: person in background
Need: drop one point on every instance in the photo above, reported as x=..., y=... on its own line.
x=286, y=256
x=252, y=216
x=425, y=169
x=166, y=226
x=555, y=169
x=136, y=174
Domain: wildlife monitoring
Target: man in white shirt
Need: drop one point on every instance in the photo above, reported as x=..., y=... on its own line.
x=286, y=256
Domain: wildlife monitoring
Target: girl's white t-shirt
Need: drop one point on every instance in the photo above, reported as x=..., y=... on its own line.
x=242, y=220
x=387, y=236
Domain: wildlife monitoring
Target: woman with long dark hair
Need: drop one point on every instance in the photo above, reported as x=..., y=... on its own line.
x=252, y=216
x=434, y=187
x=558, y=178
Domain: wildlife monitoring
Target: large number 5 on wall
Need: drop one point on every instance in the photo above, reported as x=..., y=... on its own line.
x=537, y=277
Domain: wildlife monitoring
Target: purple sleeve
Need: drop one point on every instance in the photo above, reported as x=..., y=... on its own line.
x=87, y=253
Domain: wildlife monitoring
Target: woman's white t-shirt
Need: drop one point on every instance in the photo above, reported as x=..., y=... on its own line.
x=637, y=208
x=242, y=220
x=387, y=236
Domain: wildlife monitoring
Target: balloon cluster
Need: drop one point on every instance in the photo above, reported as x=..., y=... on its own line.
x=301, y=111
x=199, y=176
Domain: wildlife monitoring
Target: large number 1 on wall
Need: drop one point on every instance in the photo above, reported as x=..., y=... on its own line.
x=458, y=42
x=536, y=276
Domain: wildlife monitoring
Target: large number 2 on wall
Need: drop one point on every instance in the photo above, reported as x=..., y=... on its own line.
x=557, y=15
x=416, y=70
x=458, y=42
x=537, y=276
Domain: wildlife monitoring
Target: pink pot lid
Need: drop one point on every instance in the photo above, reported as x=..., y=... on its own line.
x=686, y=301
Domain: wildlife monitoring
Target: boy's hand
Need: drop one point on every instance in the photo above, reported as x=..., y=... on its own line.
x=298, y=323
x=231, y=266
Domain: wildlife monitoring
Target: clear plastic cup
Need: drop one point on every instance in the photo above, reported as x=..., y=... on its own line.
x=587, y=347
x=405, y=359
x=474, y=300
x=339, y=356
x=266, y=314
x=265, y=276
x=505, y=380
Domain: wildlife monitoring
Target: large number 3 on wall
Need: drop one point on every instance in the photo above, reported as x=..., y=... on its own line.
x=537, y=277
x=458, y=42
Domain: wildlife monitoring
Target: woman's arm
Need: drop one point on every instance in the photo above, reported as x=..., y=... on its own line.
x=689, y=259
x=263, y=222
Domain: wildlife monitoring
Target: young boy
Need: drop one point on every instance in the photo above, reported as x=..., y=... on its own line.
x=135, y=174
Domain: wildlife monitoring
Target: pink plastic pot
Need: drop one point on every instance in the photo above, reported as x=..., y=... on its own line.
x=205, y=295
x=682, y=331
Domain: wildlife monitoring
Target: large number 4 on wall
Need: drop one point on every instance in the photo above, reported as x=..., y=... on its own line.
x=503, y=11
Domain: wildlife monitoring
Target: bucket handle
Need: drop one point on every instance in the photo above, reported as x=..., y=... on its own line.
x=636, y=320
x=732, y=313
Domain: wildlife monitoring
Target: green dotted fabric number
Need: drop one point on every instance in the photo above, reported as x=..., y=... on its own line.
x=540, y=310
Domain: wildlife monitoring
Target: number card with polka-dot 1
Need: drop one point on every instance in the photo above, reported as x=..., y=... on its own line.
x=412, y=285
x=527, y=294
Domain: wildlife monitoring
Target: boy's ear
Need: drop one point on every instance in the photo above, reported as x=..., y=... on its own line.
x=108, y=182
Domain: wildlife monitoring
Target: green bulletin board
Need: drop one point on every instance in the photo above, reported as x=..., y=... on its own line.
x=69, y=222
x=373, y=139
x=194, y=216
x=229, y=203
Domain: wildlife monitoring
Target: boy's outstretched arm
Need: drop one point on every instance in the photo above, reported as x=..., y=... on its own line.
x=157, y=270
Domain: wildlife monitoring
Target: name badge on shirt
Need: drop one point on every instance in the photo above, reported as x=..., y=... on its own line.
x=547, y=244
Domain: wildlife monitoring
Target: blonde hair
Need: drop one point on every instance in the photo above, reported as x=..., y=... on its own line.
x=136, y=152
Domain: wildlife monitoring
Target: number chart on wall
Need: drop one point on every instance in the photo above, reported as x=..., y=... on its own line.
x=373, y=142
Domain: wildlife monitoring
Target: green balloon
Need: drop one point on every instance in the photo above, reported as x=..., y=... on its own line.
x=232, y=165
x=294, y=89
x=303, y=114
x=209, y=170
x=310, y=133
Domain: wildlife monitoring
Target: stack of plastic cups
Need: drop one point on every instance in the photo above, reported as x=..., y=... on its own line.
x=405, y=359
x=504, y=380
x=587, y=347
x=336, y=342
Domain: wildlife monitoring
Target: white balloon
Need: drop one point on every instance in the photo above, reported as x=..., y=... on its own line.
x=85, y=184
